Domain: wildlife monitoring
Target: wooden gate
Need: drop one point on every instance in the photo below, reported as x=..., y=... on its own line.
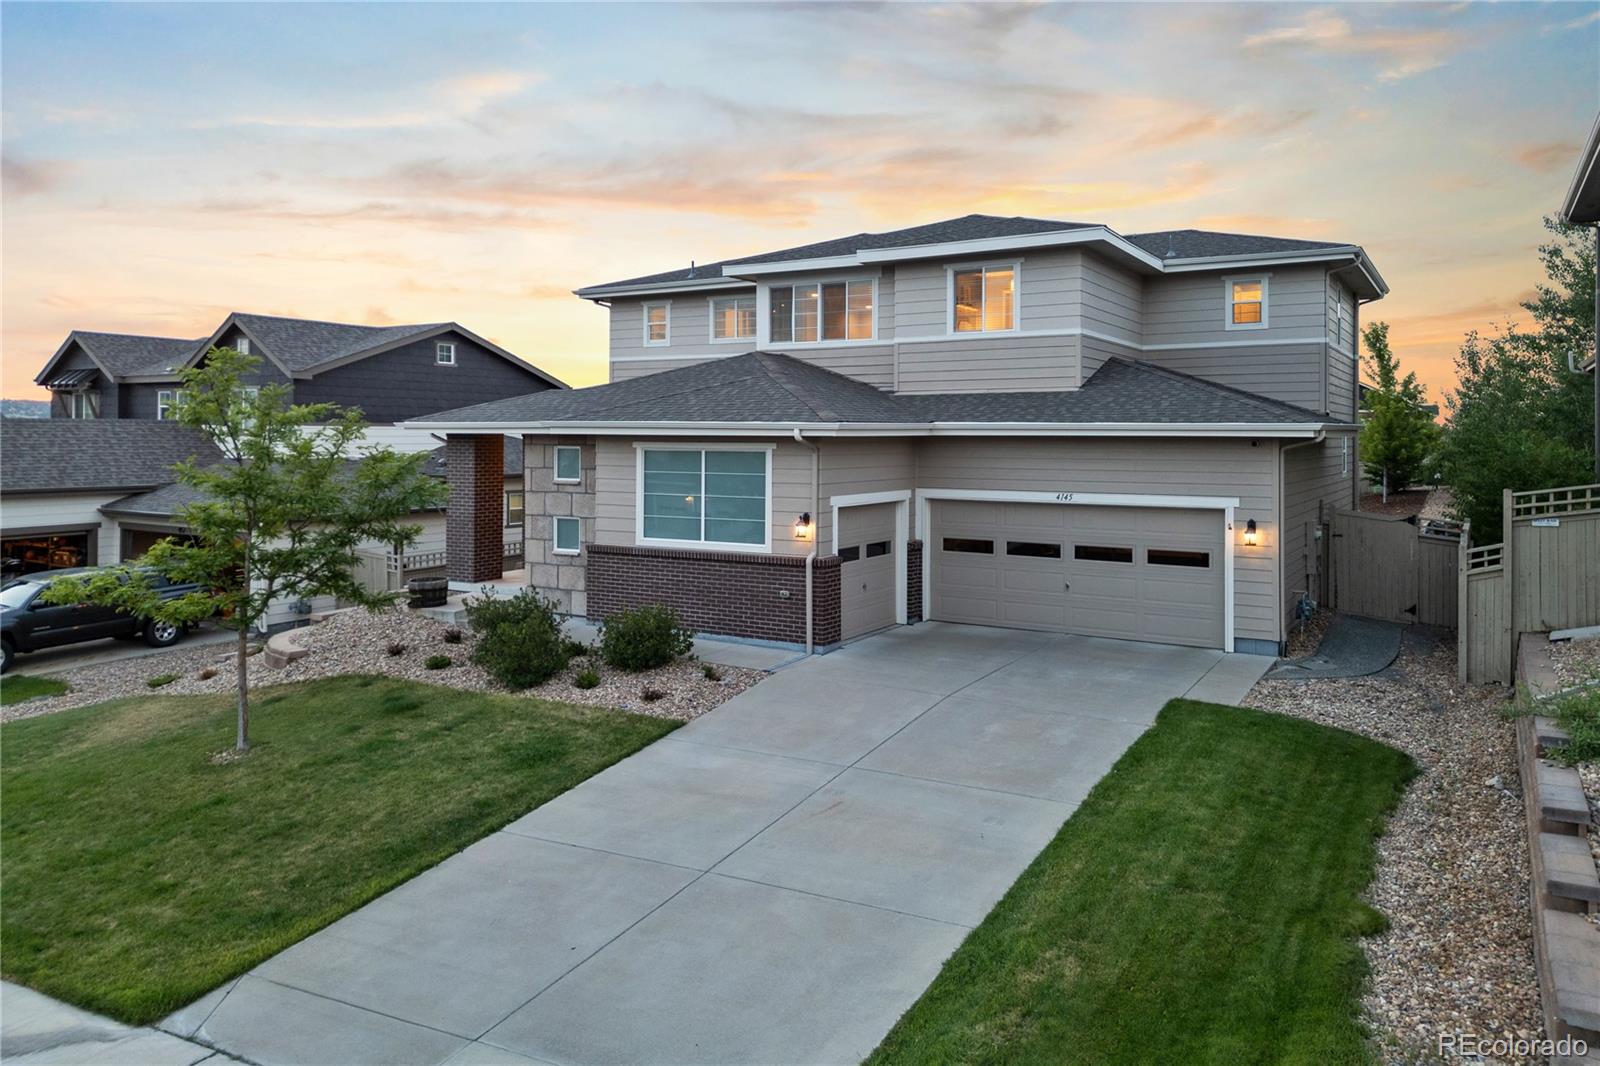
x=1390, y=568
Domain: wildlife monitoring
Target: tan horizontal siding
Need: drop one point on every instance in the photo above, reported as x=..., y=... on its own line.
x=990, y=364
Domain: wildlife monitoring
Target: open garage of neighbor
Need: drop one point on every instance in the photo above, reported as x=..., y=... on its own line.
x=1082, y=564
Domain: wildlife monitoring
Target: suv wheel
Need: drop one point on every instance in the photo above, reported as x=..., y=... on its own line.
x=6, y=654
x=159, y=634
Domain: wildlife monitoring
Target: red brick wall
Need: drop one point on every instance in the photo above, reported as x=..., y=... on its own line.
x=762, y=597
x=913, y=581
x=475, y=513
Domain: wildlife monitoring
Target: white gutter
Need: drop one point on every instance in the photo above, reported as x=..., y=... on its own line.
x=889, y=429
x=710, y=281
x=811, y=556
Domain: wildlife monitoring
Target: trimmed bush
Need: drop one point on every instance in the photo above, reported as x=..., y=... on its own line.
x=519, y=638
x=641, y=638
x=587, y=679
x=438, y=662
x=161, y=679
x=575, y=649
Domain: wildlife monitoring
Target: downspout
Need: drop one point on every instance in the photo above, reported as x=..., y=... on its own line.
x=1322, y=435
x=816, y=524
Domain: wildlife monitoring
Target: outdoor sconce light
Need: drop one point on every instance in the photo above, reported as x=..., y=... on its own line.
x=802, y=526
x=1250, y=533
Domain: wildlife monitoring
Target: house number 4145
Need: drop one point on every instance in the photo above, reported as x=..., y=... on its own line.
x=1064, y=497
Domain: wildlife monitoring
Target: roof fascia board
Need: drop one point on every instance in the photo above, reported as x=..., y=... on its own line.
x=1050, y=239
x=1584, y=177
x=894, y=429
x=595, y=292
x=72, y=338
x=1212, y=262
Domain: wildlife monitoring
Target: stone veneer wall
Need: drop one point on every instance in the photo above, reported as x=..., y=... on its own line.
x=740, y=594
x=913, y=581
x=561, y=578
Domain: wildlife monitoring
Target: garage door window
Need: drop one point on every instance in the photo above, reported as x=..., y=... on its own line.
x=703, y=496
x=1033, y=549
x=850, y=554
x=1101, y=553
x=877, y=548
x=1173, y=557
x=969, y=545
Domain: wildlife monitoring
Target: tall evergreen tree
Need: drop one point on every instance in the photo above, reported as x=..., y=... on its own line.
x=1398, y=434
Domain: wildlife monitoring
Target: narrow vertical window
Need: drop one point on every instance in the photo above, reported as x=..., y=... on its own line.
x=806, y=299
x=1247, y=303
x=860, y=301
x=242, y=345
x=657, y=325
x=780, y=314
x=514, y=509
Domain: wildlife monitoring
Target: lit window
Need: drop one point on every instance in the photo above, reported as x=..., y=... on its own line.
x=733, y=318
x=444, y=353
x=985, y=299
x=713, y=496
x=567, y=538
x=657, y=324
x=829, y=311
x=514, y=509
x=242, y=345
x=569, y=464
x=1247, y=303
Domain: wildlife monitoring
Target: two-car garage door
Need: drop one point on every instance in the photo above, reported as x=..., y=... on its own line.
x=1138, y=573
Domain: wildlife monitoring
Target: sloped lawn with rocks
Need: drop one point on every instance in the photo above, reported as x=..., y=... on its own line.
x=361, y=642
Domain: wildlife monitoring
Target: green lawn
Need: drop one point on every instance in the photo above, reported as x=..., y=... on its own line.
x=138, y=874
x=14, y=688
x=1200, y=907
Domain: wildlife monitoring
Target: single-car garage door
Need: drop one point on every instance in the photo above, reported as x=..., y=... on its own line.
x=866, y=568
x=1138, y=573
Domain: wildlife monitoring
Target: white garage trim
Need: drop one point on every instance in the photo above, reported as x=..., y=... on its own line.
x=1225, y=504
x=901, y=498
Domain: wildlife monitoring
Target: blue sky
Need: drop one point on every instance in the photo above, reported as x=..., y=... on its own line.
x=167, y=163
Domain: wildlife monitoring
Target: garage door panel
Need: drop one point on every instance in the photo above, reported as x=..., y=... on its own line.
x=868, y=554
x=1082, y=569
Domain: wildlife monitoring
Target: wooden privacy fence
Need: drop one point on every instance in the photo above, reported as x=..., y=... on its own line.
x=1543, y=575
x=1396, y=569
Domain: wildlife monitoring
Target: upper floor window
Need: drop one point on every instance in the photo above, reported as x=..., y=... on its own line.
x=242, y=345
x=444, y=353
x=657, y=324
x=733, y=318
x=984, y=299
x=825, y=311
x=1247, y=302
x=83, y=403
x=167, y=401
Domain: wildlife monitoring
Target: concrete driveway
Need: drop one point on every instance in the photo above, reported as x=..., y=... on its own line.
x=775, y=882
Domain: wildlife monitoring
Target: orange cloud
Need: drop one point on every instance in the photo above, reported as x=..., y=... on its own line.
x=1553, y=155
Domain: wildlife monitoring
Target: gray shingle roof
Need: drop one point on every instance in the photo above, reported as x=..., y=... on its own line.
x=1198, y=243
x=123, y=354
x=74, y=455
x=768, y=387
x=301, y=344
x=965, y=228
x=1184, y=244
x=164, y=502
x=436, y=466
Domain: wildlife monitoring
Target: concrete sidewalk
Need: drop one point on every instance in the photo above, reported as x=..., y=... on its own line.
x=776, y=882
x=36, y=1030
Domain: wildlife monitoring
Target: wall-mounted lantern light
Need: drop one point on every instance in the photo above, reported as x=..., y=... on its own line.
x=1250, y=533
x=802, y=527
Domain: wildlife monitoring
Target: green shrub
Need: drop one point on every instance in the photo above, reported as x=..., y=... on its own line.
x=1579, y=715
x=161, y=679
x=643, y=637
x=711, y=672
x=519, y=638
x=575, y=649
x=587, y=679
x=438, y=662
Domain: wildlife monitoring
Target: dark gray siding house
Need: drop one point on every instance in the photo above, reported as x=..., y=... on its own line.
x=390, y=372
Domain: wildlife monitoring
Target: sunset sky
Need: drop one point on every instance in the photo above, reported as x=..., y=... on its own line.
x=164, y=164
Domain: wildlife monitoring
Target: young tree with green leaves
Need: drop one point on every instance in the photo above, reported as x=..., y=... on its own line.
x=1398, y=434
x=1520, y=418
x=279, y=517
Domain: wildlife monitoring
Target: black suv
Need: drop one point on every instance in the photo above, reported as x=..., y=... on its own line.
x=29, y=624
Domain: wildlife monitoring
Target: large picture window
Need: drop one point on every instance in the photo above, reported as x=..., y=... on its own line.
x=704, y=496
x=733, y=318
x=829, y=311
x=984, y=299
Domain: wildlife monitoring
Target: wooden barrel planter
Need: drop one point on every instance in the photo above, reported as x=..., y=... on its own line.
x=428, y=591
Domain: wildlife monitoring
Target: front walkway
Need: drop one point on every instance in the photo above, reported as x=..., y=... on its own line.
x=776, y=882
x=36, y=1030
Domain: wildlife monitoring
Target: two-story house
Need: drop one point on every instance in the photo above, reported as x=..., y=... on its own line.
x=1002, y=421
x=390, y=372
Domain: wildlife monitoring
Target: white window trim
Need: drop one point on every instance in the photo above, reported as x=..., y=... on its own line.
x=644, y=323
x=950, y=272
x=166, y=400
x=242, y=345
x=555, y=465
x=439, y=351
x=764, y=312
x=555, y=537
x=640, y=447
x=1227, y=301
x=711, y=317
x=506, y=495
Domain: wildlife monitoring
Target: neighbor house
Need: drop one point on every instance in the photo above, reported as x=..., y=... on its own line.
x=1582, y=208
x=390, y=372
x=1002, y=421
